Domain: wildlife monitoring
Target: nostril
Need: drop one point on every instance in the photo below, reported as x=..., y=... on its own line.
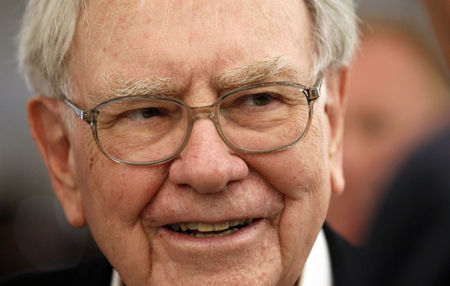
x=204, y=178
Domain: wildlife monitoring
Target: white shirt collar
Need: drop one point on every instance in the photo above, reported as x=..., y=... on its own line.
x=317, y=270
x=115, y=279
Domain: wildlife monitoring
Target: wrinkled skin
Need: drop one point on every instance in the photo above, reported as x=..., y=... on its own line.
x=127, y=207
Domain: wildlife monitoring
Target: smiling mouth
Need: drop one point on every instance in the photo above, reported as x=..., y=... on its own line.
x=207, y=230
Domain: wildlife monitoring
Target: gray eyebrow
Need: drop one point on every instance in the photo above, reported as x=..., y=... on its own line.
x=117, y=85
x=254, y=73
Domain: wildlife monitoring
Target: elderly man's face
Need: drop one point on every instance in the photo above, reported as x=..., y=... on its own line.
x=128, y=209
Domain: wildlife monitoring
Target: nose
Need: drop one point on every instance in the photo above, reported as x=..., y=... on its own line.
x=207, y=164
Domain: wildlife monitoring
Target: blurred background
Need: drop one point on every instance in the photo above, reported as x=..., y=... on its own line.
x=398, y=99
x=398, y=49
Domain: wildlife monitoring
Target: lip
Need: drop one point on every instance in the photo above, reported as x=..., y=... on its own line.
x=185, y=243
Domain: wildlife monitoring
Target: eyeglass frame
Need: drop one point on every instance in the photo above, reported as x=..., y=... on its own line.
x=211, y=111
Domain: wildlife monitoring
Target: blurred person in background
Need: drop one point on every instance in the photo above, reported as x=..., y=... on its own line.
x=439, y=14
x=398, y=98
x=409, y=240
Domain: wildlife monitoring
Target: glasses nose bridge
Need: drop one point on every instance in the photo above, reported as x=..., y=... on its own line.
x=203, y=111
x=208, y=111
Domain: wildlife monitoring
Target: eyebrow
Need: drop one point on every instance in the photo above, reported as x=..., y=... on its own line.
x=255, y=73
x=119, y=86
x=261, y=71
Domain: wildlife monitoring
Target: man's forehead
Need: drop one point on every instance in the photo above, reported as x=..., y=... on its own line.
x=192, y=9
x=168, y=17
x=175, y=39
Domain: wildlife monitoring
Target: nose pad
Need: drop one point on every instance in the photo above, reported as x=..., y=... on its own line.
x=206, y=164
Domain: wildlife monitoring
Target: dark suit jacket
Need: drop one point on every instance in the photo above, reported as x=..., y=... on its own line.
x=95, y=272
x=344, y=259
x=410, y=241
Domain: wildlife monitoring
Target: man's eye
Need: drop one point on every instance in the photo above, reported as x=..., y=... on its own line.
x=259, y=99
x=144, y=113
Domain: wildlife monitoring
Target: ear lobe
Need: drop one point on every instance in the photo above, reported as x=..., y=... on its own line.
x=49, y=132
x=335, y=110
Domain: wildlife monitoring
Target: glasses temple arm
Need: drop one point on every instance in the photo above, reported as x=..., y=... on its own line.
x=314, y=92
x=83, y=114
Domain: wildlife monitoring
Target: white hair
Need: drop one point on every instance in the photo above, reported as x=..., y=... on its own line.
x=48, y=28
x=335, y=33
x=47, y=31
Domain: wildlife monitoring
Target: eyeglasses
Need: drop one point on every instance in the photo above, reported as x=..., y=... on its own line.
x=150, y=130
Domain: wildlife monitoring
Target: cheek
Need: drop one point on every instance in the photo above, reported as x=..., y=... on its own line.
x=106, y=185
x=297, y=172
x=113, y=197
x=301, y=175
x=124, y=189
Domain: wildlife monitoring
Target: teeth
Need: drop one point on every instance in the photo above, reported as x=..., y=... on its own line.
x=234, y=223
x=193, y=226
x=223, y=233
x=204, y=229
x=221, y=226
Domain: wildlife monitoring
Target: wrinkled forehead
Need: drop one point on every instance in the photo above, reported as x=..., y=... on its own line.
x=205, y=17
x=146, y=35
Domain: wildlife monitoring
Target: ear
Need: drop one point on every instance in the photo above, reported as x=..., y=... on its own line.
x=335, y=110
x=48, y=128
